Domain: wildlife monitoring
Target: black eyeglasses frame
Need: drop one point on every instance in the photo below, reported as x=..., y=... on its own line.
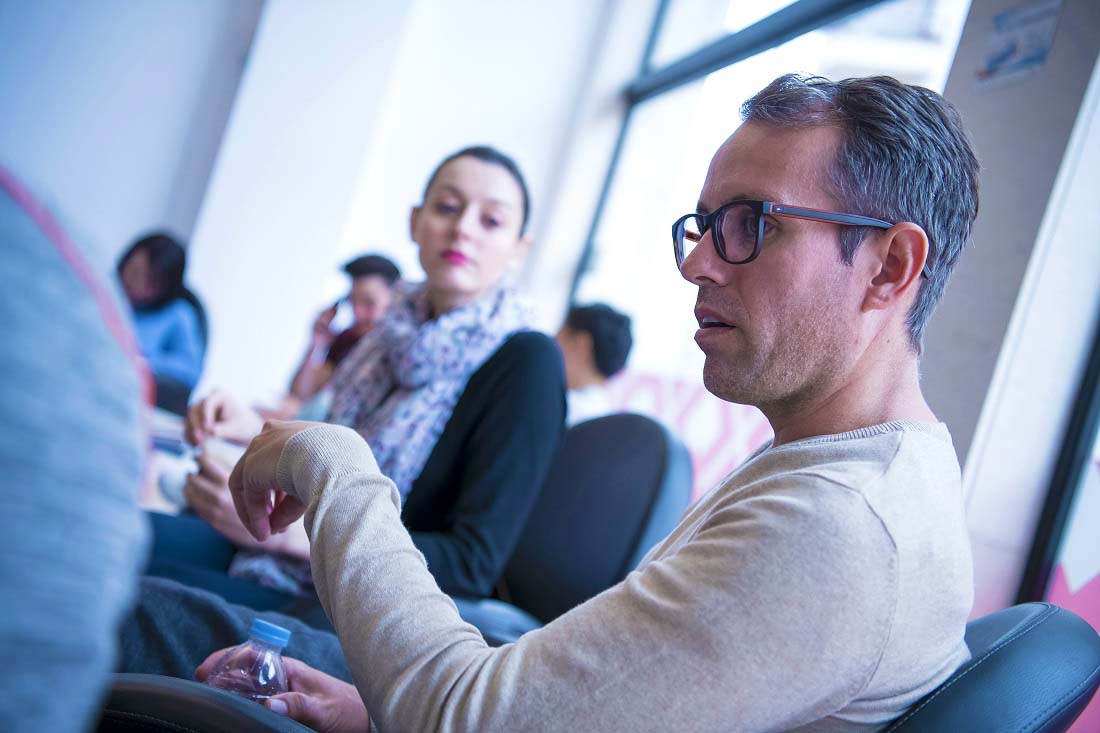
x=763, y=209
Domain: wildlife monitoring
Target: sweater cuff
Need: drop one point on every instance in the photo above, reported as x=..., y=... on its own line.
x=319, y=455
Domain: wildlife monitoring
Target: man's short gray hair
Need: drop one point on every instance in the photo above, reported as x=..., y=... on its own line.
x=905, y=157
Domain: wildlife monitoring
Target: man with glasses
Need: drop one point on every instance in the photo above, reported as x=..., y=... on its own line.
x=824, y=584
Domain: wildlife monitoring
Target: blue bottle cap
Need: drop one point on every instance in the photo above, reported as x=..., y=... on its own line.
x=269, y=633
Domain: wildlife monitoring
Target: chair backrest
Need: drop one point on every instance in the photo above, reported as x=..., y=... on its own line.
x=149, y=703
x=1033, y=669
x=618, y=485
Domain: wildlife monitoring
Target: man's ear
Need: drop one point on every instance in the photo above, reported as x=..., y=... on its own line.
x=895, y=259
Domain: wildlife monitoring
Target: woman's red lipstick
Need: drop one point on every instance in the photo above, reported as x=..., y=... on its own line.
x=455, y=257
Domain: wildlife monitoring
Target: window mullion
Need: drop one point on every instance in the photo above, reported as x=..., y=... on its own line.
x=790, y=22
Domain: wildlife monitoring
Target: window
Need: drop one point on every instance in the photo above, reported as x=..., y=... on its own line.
x=1064, y=564
x=685, y=104
x=690, y=24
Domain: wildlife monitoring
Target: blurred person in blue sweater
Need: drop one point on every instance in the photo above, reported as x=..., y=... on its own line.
x=169, y=320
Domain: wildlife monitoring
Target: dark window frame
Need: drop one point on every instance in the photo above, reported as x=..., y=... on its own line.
x=781, y=26
x=1073, y=460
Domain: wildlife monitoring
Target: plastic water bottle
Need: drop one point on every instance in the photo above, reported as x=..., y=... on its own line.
x=254, y=669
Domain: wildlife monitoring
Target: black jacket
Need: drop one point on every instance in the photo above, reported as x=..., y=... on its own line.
x=467, y=508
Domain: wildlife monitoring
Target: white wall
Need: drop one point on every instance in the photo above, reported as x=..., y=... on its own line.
x=1006, y=349
x=343, y=112
x=586, y=160
x=509, y=74
x=113, y=111
x=1026, y=412
x=1020, y=130
x=265, y=245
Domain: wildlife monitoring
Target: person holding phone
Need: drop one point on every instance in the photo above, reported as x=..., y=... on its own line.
x=333, y=337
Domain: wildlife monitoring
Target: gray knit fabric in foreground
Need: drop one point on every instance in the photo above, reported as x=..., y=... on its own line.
x=824, y=586
x=71, y=451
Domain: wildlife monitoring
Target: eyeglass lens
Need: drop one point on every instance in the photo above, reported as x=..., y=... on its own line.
x=736, y=228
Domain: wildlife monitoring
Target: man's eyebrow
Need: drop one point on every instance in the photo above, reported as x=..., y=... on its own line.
x=701, y=208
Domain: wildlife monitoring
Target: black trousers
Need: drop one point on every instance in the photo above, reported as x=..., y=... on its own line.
x=173, y=628
x=188, y=550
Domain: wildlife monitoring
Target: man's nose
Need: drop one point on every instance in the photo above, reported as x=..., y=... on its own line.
x=703, y=266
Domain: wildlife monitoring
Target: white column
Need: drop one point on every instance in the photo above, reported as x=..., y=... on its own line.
x=1006, y=350
x=265, y=253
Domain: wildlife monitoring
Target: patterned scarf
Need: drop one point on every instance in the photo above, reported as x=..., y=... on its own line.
x=398, y=388
x=399, y=385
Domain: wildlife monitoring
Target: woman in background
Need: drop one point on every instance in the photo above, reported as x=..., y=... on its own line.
x=461, y=403
x=168, y=319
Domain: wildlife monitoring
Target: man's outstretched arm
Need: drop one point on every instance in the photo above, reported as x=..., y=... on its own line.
x=710, y=633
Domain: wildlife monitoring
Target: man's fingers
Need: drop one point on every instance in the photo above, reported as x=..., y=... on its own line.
x=286, y=512
x=306, y=709
x=236, y=491
x=297, y=671
x=240, y=503
x=253, y=503
x=257, y=507
x=252, y=484
x=236, y=477
x=204, y=669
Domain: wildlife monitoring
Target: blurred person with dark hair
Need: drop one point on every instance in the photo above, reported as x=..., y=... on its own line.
x=72, y=449
x=595, y=341
x=372, y=280
x=168, y=318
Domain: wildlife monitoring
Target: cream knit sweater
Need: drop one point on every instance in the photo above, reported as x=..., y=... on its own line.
x=823, y=586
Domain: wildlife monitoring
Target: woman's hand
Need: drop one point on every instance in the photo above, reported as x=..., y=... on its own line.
x=261, y=505
x=219, y=416
x=322, y=328
x=315, y=699
x=207, y=493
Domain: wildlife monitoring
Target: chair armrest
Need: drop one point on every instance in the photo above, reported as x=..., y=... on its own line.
x=149, y=702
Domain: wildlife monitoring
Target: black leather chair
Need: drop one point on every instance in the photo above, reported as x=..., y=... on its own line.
x=617, y=486
x=148, y=703
x=1033, y=669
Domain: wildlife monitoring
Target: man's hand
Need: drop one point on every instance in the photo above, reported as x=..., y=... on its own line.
x=219, y=416
x=315, y=699
x=207, y=493
x=261, y=505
